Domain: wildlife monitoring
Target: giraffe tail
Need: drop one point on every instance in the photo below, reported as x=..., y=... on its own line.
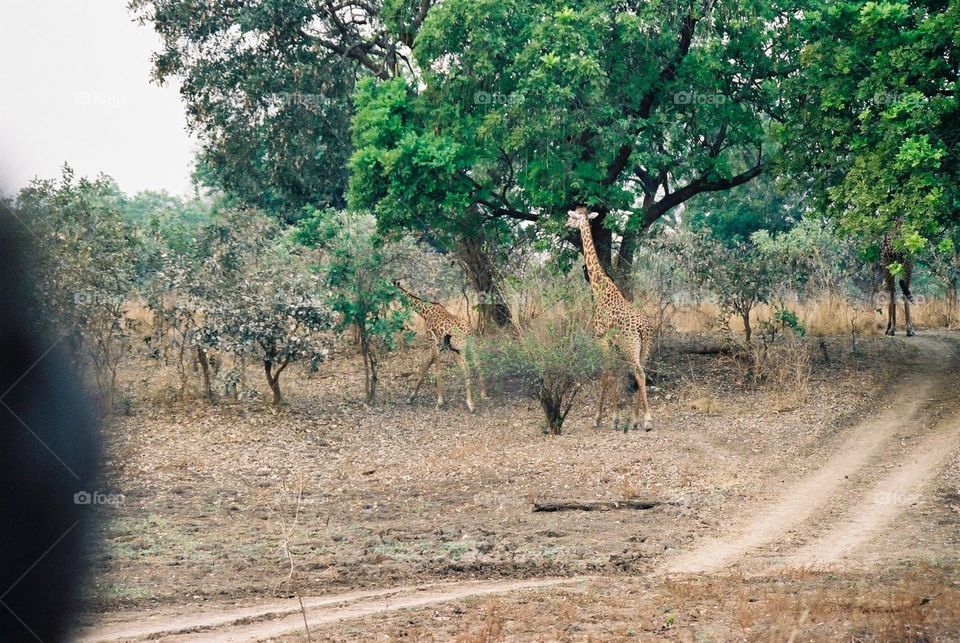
x=448, y=346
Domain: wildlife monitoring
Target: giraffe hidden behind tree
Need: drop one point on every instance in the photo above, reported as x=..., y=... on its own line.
x=620, y=327
x=890, y=255
x=448, y=332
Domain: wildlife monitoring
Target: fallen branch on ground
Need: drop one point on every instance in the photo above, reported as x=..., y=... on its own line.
x=600, y=505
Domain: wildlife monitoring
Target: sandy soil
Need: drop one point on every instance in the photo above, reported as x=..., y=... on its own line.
x=767, y=503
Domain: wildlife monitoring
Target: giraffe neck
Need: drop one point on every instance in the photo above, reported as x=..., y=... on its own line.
x=599, y=281
x=418, y=304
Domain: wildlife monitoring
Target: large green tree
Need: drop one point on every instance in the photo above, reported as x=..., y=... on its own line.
x=267, y=85
x=521, y=109
x=874, y=121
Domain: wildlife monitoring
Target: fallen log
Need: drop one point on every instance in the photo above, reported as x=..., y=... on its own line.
x=598, y=505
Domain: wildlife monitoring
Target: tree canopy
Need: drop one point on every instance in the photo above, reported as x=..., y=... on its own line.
x=874, y=122
x=522, y=110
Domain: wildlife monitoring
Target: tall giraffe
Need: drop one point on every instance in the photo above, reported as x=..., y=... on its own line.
x=889, y=254
x=448, y=332
x=618, y=324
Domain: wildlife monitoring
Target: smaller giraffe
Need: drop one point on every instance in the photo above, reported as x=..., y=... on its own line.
x=449, y=332
x=889, y=254
x=618, y=325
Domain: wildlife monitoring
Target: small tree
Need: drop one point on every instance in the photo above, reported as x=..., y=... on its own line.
x=740, y=275
x=259, y=297
x=356, y=273
x=89, y=266
x=813, y=255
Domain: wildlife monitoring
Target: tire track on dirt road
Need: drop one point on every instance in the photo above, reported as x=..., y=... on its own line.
x=926, y=390
x=277, y=619
x=890, y=496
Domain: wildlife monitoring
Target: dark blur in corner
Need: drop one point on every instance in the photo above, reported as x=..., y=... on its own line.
x=47, y=457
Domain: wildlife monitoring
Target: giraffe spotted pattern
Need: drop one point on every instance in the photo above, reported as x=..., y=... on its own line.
x=618, y=324
x=448, y=332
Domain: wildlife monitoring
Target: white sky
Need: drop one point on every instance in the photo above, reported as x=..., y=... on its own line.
x=75, y=87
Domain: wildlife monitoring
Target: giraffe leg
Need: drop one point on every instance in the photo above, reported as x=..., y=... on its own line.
x=892, y=303
x=465, y=365
x=423, y=375
x=436, y=357
x=907, y=297
x=640, y=374
x=615, y=397
x=603, y=392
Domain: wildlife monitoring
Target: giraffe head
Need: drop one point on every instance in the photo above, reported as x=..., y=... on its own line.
x=578, y=216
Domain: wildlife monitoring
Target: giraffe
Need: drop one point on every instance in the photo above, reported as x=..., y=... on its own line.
x=448, y=332
x=890, y=254
x=618, y=324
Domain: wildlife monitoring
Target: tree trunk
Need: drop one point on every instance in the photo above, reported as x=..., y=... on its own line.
x=182, y=368
x=481, y=272
x=747, y=330
x=273, y=379
x=369, y=367
x=623, y=274
x=374, y=376
x=205, y=372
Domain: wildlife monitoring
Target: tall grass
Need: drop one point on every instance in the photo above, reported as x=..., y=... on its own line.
x=829, y=314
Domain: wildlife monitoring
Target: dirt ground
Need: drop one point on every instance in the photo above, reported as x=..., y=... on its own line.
x=835, y=516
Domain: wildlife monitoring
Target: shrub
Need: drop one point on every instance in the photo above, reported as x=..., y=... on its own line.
x=89, y=260
x=357, y=270
x=740, y=277
x=551, y=356
x=258, y=296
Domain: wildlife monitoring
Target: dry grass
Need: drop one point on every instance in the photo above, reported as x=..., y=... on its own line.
x=826, y=315
x=487, y=624
x=905, y=604
x=935, y=313
x=785, y=369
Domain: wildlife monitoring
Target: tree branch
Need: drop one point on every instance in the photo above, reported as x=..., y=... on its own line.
x=698, y=186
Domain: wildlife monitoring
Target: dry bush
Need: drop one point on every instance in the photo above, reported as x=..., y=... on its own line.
x=490, y=625
x=831, y=314
x=552, y=351
x=550, y=360
x=786, y=372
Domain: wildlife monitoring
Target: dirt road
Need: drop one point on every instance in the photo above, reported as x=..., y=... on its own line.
x=278, y=618
x=878, y=470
